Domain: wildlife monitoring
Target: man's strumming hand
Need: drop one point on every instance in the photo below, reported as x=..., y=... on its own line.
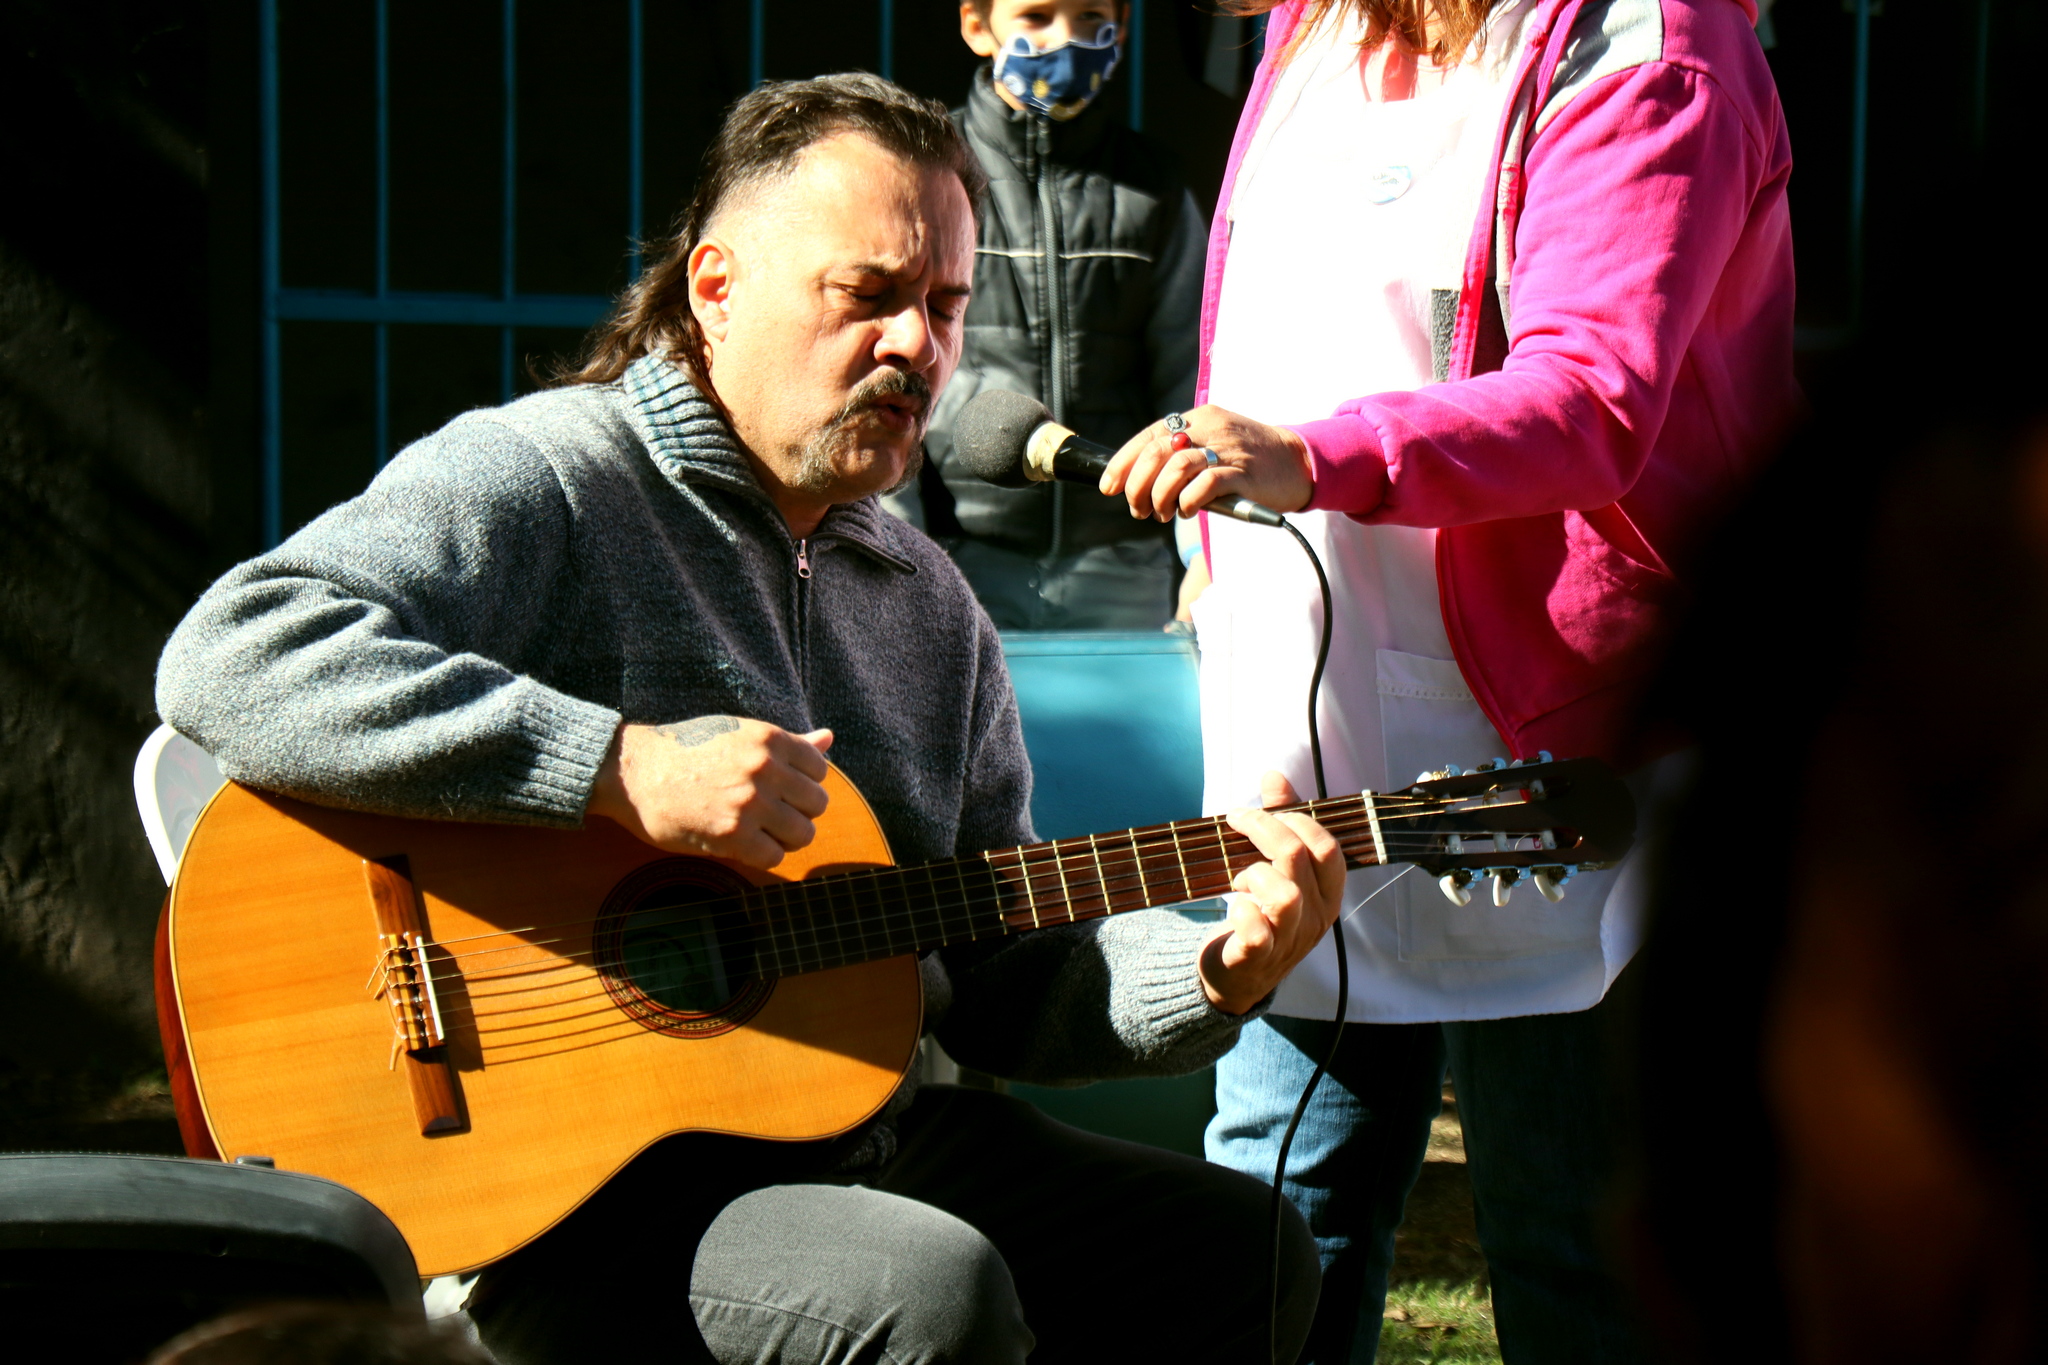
x=716, y=785
x=1282, y=906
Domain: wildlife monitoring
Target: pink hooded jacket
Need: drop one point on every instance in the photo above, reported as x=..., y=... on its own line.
x=1621, y=362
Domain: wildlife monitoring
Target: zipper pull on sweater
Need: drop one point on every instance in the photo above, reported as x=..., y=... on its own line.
x=803, y=559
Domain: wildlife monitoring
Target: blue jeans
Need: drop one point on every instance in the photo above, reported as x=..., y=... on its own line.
x=1533, y=1098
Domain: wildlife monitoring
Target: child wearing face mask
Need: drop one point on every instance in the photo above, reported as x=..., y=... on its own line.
x=1087, y=289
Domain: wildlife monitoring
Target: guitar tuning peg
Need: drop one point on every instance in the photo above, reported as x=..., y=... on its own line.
x=1453, y=886
x=1550, y=883
x=1504, y=880
x=1487, y=766
x=1543, y=756
x=1496, y=764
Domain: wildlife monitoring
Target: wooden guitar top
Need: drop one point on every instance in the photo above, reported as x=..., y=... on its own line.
x=561, y=1072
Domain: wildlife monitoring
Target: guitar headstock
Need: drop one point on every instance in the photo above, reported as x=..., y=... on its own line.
x=1539, y=820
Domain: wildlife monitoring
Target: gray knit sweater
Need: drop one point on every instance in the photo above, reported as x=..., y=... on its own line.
x=463, y=640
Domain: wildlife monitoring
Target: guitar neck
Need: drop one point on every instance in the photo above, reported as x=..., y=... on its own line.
x=845, y=918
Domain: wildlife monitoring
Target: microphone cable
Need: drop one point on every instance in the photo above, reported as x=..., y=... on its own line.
x=1315, y=751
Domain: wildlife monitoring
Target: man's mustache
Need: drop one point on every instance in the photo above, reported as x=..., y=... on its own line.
x=883, y=385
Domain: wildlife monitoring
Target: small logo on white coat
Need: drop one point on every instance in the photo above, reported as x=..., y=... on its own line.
x=1388, y=183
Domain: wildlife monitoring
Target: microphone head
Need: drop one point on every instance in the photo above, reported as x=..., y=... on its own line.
x=992, y=432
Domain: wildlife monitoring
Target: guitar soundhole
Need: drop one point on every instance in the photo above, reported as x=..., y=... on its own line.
x=676, y=950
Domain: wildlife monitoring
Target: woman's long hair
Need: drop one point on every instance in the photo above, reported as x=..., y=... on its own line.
x=1459, y=22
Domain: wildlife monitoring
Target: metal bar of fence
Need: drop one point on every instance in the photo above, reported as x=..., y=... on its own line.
x=757, y=41
x=1134, y=63
x=887, y=64
x=1859, y=155
x=1980, y=105
x=457, y=310
x=380, y=397
x=272, y=417
x=636, y=97
x=508, y=278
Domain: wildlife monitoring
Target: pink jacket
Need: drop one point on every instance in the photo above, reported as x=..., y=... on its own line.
x=1639, y=236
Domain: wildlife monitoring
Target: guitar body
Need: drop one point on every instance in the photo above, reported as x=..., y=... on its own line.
x=560, y=1067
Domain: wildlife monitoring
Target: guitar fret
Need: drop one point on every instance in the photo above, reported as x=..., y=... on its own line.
x=1187, y=886
x=1102, y=878
x=927, y=923
x=1030, y=892
x=1059, y=863
x=771, y=914
x=820, y=923
x=813, y=925
x=1222, y=851
x=899, y=921
x=839, y=919
x=752, y=921
x=850, y=934
x=931, y=882
x=796, y=923
x=967, y=896
x=874, y=917
x=1138, y=861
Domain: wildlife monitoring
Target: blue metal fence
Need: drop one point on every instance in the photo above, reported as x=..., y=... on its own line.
x=383, y=307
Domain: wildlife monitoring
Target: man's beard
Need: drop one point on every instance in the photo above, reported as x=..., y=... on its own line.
x=817, y=469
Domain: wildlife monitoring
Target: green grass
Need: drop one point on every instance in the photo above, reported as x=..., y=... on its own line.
x=1438, y=1321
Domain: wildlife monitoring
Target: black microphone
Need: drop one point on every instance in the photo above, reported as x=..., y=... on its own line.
x=1010, y=440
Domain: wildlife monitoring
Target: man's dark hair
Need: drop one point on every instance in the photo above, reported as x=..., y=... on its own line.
x=764, y=135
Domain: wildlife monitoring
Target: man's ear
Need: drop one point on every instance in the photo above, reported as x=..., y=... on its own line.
x=974, y=32
x=711, y=279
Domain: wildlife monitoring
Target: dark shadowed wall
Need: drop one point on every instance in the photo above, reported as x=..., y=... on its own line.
x=104, y=489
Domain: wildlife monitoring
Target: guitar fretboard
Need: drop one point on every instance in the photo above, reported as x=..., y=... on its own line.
x=845, y=918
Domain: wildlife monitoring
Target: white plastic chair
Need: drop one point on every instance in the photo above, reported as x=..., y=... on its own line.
x=174, y=779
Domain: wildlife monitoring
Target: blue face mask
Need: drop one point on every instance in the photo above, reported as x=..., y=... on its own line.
x=1059, y=81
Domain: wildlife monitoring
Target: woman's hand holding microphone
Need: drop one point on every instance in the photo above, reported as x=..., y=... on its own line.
x=1163, y=471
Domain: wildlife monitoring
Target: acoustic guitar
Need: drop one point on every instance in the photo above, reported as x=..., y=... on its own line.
x=475, y=1025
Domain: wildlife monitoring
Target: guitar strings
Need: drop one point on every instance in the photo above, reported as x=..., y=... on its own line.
x=1158, y=842
x=552, y=964
x=1156, y=838
x=559, y=962
x=613, y=1018
x=1159, y=836
x=547, y=1031
x=1119, y=873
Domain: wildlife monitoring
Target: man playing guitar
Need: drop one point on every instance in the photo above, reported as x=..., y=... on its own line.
x=661, y=594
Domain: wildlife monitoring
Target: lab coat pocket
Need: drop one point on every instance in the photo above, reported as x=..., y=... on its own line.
x=1428, y=718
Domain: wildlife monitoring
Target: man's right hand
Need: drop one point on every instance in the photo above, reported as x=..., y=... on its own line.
x=717, y=785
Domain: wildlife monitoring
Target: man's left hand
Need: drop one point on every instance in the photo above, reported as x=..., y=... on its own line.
x=1282, y=906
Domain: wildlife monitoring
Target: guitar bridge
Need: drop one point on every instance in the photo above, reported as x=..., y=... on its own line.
x=404, y=976
x=407, y=985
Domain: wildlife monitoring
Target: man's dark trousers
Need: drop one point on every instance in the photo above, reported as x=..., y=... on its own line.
x=994, y=1232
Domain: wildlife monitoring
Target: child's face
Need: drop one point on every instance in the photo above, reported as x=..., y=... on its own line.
x=1047, y=23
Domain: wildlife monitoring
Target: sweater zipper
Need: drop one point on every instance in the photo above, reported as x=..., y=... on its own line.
x=1055, y=305
x=803, y=615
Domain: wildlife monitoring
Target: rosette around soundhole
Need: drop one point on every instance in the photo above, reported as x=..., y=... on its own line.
x=676, y=949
